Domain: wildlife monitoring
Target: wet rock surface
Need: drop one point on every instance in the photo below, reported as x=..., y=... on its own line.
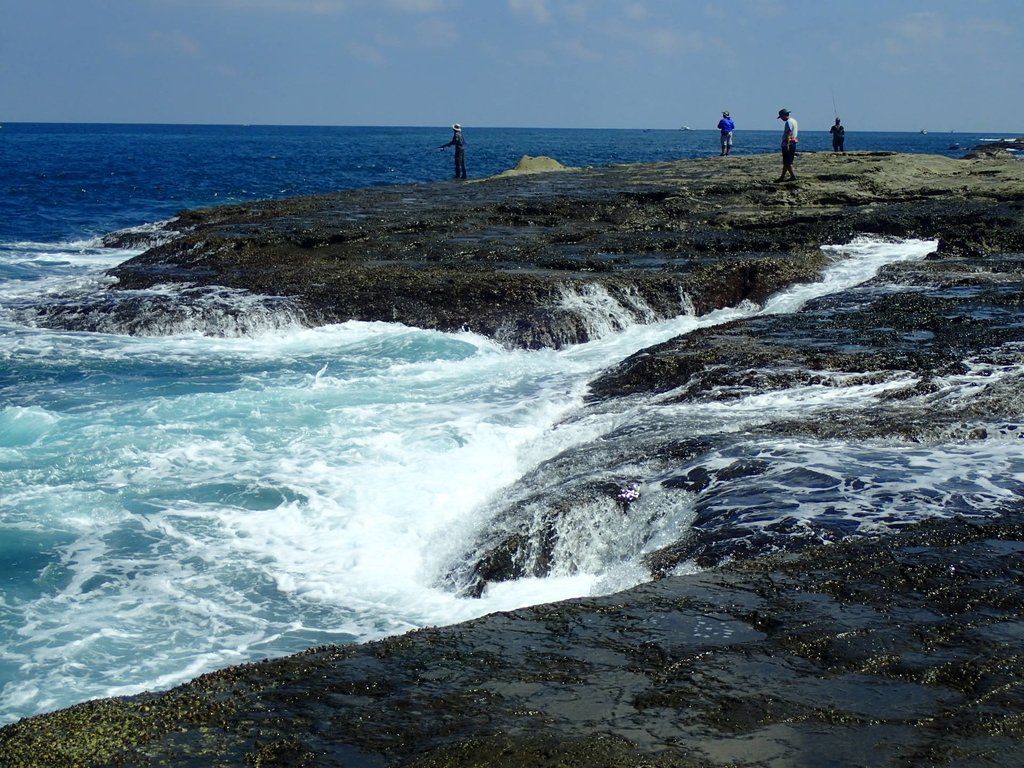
x=897, y=651
x=507, y=256
x=1003, y=148
x=909, y=332
x=891, y=650
x=923, y=318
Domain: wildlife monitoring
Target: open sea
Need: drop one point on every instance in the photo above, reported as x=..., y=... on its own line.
x=224, y=492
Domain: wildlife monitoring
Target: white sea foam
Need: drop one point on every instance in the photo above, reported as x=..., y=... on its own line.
x=83, y=255
x=853, y=263
x=191, y=502
x=602, y=313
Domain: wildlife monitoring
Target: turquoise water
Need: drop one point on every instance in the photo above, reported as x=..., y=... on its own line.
x=240, y=486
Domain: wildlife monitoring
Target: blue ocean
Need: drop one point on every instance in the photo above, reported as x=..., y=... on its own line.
x=237, y=486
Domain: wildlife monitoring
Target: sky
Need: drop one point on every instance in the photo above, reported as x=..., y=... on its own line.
x=899, y=65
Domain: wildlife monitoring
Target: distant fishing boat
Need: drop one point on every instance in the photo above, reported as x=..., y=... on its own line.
x=685, y=128
x=923, y=131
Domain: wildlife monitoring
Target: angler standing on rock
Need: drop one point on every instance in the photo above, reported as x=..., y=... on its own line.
x=790, y=131
x=726, y=126
x=838, y=137
x=460, y=151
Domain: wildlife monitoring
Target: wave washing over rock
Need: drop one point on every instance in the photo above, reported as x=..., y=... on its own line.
x=819, y=495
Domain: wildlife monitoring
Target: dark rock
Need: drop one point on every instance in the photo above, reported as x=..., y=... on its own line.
x=941, y=314
x=996, y=149
x=903, y=650
x=960, y=307
x=505, y=256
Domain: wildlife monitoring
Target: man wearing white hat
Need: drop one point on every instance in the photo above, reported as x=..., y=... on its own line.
x=460, y=151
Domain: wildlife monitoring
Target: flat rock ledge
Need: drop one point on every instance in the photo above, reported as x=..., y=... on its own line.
x=902, y=651
x=526, y=258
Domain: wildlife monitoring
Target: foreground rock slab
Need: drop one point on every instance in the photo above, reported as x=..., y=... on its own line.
x=892, y=652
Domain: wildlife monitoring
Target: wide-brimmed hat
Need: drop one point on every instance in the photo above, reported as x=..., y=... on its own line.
x=457, y=127
x=783, y=113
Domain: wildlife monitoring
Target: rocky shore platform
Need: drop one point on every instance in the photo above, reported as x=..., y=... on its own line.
x=513, y=257
x=808, y=648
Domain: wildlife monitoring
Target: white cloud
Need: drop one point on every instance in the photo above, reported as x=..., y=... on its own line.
x=164, y=41
x=317, y=7
x=765, y=8
x=436, y=32
x=418, y=6
x=369, y=53
x=578, y=50
x=534, y=57
x=176, y=42
x=575, y=12
x=636, y=12
x=662, y=40
x=533, y=9
x=925, y=40
x=327, y=7
x=918, y=30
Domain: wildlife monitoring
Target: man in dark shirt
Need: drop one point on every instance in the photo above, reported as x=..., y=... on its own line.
x=460, y=151
x=838, y=137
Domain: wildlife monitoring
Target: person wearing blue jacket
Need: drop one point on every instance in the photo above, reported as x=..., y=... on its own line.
x=726, y=126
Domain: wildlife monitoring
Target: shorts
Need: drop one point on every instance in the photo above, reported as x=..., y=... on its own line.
x=789, y=152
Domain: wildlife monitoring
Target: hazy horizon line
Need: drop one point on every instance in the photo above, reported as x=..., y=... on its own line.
x=685, y=129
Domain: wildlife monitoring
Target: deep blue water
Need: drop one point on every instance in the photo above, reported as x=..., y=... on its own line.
x=225, y=491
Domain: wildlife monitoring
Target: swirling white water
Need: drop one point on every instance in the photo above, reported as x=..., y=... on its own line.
x=176, y=504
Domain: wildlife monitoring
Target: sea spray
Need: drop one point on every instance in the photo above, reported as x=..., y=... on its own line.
x=601, y=312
